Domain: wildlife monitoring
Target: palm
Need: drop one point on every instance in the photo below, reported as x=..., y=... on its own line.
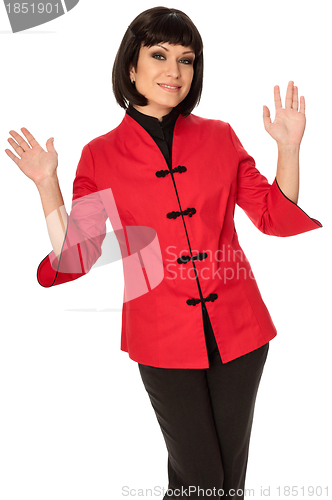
x=37, y=162
x=289, y=122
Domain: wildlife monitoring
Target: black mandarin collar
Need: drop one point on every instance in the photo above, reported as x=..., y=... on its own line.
x=152, y=125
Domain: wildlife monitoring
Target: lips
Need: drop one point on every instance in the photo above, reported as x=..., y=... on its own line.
x=168, y=86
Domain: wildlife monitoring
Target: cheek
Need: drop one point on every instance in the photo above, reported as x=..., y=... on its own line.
x=146, y=74
x=189, y=75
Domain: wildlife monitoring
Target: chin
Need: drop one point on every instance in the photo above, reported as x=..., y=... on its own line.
x=171, y=103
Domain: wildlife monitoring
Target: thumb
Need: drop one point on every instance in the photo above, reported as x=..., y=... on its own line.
x=266, y=117
x=50, y=145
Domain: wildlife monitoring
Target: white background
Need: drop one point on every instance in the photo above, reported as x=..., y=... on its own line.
x=75, y=420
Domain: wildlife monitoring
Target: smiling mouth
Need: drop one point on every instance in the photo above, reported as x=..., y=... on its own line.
x=169, y=86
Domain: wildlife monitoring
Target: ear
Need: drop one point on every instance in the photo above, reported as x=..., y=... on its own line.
x=132, y=72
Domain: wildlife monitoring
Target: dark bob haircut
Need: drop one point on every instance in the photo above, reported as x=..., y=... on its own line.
x=151, y=27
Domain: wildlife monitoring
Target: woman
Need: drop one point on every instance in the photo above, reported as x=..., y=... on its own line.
x=193, y=317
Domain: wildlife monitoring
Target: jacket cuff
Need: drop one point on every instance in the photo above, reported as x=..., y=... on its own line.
x=48, y=273
x=288, y=218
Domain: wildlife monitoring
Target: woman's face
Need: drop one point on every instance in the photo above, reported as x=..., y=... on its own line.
x=163, y=75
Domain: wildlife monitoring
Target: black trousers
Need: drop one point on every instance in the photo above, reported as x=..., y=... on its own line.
x=206, y=417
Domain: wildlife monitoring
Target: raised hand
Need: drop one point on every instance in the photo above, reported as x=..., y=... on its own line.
x=34, y=161
x=289, y=122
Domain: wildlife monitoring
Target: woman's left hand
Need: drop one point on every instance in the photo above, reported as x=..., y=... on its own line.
x=289, y=122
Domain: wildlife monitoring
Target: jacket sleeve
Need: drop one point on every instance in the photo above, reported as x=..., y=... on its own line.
x=85, y=233
x=266, y=205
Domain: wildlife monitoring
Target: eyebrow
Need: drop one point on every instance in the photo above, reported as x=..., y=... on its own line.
x=187, y=52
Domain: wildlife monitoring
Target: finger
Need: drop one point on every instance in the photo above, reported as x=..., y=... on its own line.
x=266, y=117
x=295, y=104
x=12, y=156
x=289, y=95
x=30, y=137
x=50, y=145
x=18, y=138
x=277, y=98
x=302, y=105
x=19, y=150
x=24, y=145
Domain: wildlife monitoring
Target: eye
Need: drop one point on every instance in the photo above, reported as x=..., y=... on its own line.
x=187, y=61
x=159, y=57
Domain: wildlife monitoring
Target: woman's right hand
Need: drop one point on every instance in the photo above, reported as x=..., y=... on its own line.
x=34, y=161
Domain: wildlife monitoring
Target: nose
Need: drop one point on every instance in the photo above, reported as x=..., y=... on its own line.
x=173, y=69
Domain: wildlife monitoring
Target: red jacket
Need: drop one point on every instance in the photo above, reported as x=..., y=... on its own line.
x=188, y=216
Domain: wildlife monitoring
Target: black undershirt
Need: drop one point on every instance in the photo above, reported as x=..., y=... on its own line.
x=162, y=133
